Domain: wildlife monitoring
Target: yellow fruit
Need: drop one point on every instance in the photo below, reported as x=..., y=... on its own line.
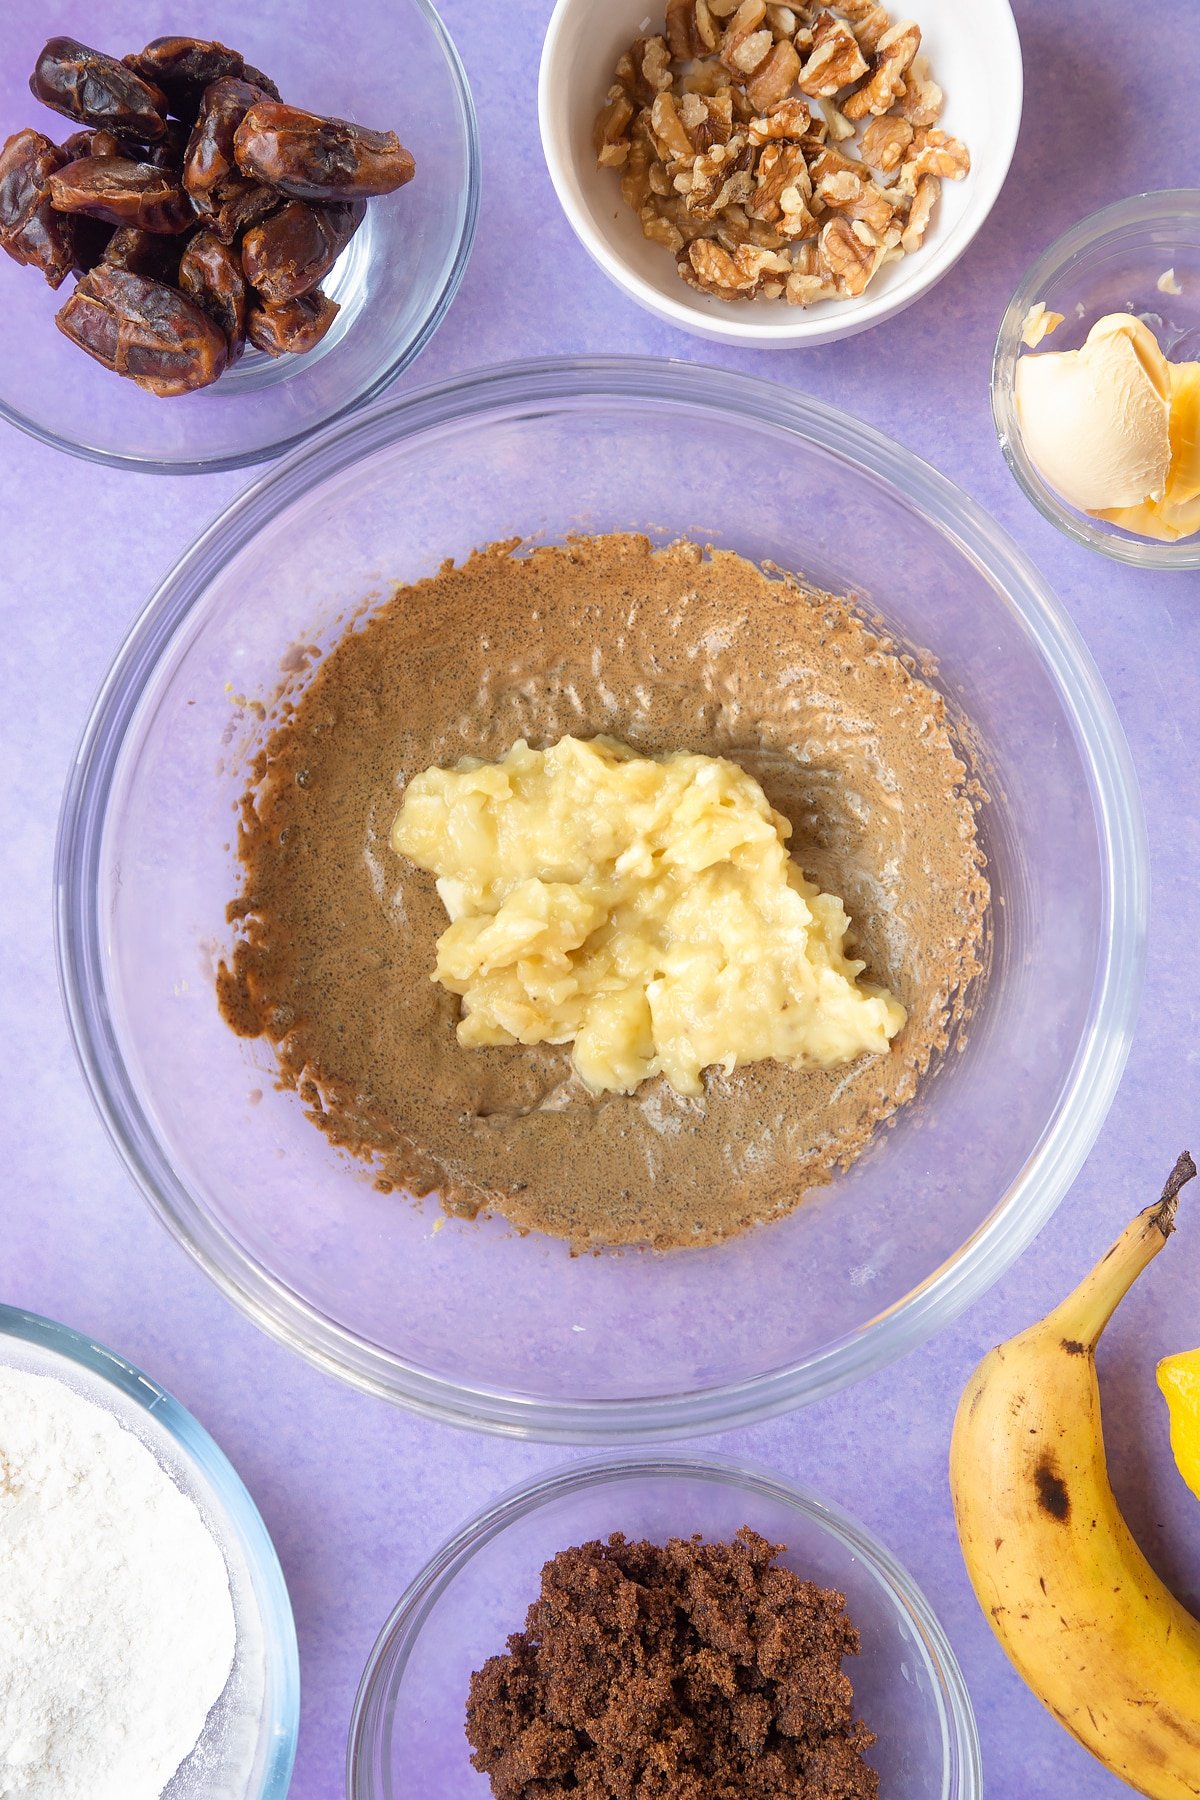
x=1179, y=1379
x=1065, y=1587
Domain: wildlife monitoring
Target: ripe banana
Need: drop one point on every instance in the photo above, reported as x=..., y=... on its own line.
x=1078, y=1609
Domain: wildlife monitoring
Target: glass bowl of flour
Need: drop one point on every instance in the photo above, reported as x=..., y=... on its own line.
x=144, y=1621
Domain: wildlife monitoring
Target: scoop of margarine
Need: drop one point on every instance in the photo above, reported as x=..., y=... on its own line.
x=1177, y=514
x=644, y=909
x=1095, y=421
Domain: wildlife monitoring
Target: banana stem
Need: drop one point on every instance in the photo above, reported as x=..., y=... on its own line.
x=1082, y=1316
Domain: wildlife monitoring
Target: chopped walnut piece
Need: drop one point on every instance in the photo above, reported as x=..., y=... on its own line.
x=660, y=229
x=848, y=252
x=775, y=79
x=656, y=64
x=746, y=42
x=921, y=101
x=783, y=21
x=721, y=9
x=838, y=125
x=790, y=119
x=869, y=20
x=645, y=69
x=707, y=118
x=858, y=197
x=705, y=78
x=610, y=133
x=834, y=61
x=737, y=227
x=733, y=274
x=897, y=47
x=667, y=129
x=924, y=201
x=691, y=28
x=933, y=153
x=824, y=161
x=782, y=191
x=884, y=143
x=721, y=177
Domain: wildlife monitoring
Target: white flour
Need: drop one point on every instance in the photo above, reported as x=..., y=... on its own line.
x=116, y=1624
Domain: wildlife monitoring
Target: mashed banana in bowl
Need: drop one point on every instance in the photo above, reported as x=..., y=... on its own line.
x=672, y=653
x=643, y=909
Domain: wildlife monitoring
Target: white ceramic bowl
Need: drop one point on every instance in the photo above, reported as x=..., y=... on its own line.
x=976, y=58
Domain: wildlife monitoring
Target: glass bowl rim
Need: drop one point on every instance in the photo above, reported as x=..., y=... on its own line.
x=1086, y=234
x=206, y=1455
x=397, y=361
x=1052, y=1163
x=962, y=1763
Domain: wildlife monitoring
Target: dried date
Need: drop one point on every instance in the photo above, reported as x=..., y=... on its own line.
x=209, y=159
x=310, y=158
x=97, y=90
x=182, y=67
x=211, y=275
x=31, y=231
x=124, y=193
x=144, y=330
x=292, y=328
x=297, y=246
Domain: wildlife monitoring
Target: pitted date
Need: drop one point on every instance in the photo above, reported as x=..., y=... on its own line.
x=292, y=328
x=211, y=275
x=182, y=67
x=209, y=159
x=124, y=193
x=148, y=253
x=30, y=230
x=97, y=90
x=310, y=158
x=296, y=247
x=144, y=330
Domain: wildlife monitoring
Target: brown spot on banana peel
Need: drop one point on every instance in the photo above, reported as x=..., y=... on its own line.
x=1073, y=1347
x=1052, y=1492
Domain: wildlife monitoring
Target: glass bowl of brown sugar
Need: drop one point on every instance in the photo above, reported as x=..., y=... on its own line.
x=408, y=1737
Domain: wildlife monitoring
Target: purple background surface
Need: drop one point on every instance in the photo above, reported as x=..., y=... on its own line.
x=358, y=1494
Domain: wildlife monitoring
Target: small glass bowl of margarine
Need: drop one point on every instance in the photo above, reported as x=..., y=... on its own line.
x=1121, y=291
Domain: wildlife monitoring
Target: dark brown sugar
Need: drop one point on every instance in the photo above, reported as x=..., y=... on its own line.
x=688, y=1671
x=673, y=649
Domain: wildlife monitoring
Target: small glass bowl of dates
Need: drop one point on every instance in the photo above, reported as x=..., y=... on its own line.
x=212, y=246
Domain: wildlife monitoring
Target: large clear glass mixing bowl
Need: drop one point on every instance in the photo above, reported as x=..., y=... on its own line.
x=472, y=1322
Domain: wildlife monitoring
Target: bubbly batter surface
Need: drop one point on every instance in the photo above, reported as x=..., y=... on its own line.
x=675, y=649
